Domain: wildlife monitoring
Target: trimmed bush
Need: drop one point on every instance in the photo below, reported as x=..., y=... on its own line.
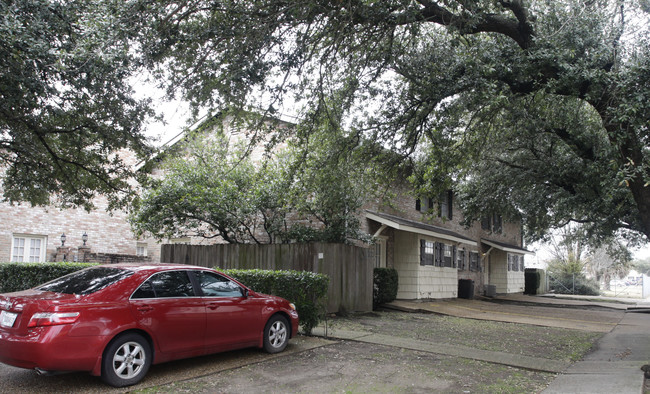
x=22, y=276
x=384, y=286
x=307, y=290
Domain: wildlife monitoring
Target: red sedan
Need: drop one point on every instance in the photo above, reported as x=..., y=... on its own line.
x=116, y=320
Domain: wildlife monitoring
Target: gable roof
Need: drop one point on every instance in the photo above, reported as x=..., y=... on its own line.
x=506, y=247
x=413, y=226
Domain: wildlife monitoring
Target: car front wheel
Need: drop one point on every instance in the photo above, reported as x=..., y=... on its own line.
x=126, y=360
x=276, y=334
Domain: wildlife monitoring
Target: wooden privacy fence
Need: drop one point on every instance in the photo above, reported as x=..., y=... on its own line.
x=349, y=267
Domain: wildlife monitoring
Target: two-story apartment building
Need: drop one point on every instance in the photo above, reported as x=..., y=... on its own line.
x=422, y=238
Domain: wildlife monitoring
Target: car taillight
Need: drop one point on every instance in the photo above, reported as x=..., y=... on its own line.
x=52, y=318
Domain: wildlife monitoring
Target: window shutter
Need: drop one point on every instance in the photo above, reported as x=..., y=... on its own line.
x=418, y=207
x=485, y=223
x=422, y=251
x=497, y=224
x=453, y=257
x=521, y=263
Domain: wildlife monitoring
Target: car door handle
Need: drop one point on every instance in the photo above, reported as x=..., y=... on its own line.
x=213, y=306
x=145, y=308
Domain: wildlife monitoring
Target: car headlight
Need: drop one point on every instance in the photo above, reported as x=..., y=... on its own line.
x=292, y=306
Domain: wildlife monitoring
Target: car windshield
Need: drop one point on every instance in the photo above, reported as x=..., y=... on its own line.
x=86, y=281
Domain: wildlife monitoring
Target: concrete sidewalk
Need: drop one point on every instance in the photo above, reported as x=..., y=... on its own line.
x=613, y=367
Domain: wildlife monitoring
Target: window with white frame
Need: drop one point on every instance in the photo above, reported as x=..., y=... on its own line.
x=474, y=262
x=380, y=252
x=443, y=204
x=184, y=240
x=460, y=259
x=515, y=262
x=28, y=248
x=437, y=254
x=448, y=256
x=141, y=249
x=427, y=251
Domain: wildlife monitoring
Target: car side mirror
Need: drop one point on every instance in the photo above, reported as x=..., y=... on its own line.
x=244, y=293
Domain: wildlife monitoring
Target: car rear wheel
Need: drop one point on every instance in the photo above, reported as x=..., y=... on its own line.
x=126, y=360
x=276, y=334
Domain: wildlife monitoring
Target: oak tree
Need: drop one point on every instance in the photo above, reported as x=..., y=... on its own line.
x=534, y=109
x=67, y=107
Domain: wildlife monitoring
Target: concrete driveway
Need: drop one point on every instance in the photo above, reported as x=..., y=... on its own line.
x=17, y=380
x=518, y=308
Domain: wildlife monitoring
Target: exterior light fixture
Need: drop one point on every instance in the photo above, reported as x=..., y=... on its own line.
x=62, y=239
x=84, y=238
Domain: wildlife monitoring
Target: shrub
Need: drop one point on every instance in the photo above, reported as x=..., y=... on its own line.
x=573, y=284
x=307, y=290
x=22, y=276
x=384, y=286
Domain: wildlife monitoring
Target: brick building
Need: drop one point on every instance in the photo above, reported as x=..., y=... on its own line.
x=33, y=234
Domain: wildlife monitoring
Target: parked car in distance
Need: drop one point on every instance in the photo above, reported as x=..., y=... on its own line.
x=116, y=320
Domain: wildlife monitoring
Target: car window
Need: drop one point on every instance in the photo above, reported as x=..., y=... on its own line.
x=215, y=285
x=166, y=285
x=86, y=281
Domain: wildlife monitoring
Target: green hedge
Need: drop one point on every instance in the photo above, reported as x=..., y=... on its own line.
x=307, y=290
x=22, y=276
x=384, y=286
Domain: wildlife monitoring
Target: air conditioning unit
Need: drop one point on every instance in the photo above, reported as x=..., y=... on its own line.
x=490, y=290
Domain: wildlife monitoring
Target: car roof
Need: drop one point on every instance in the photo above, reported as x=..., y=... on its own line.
x=152, y=266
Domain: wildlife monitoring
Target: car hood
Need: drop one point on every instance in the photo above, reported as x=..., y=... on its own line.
x=273, y=298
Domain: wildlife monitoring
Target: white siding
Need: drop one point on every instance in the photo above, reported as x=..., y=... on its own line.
x=421, y=282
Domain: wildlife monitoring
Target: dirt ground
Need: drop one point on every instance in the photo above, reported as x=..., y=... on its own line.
x=354, y=367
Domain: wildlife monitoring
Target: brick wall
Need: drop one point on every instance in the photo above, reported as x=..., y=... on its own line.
x=108, y=233
x=403, y=205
